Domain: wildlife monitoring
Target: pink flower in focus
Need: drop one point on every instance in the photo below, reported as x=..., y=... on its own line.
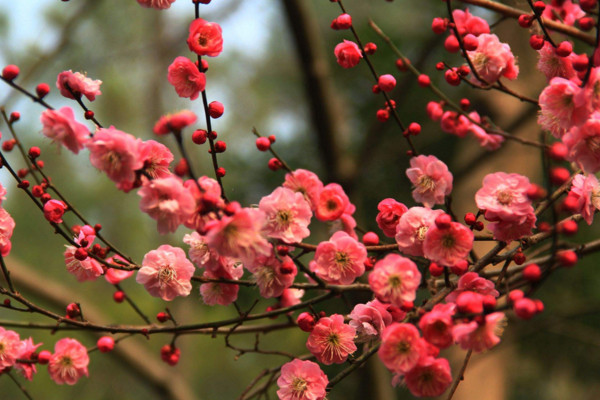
x=412, y=227
x=61, y=127
x=431, y=179
x=79, y=85
x=448, y=246
x=468, y=23
x=157, y=4
x=28, y=349
x=513, y=229
x=302, y=380
x=563, y=104
x=554, y=66
x=564, y=11
x=586, y=190
x=84, y=270
x=493, y=59
x=287, y=215
x=198, y=252
x=430, y=378
x=340, y=260
x=389, y=214
x=331, y=341
x=166, y=273
x=174, y=122
x=480, y=337
x=239, y=236
x=116, y=153
x=167, y=201
x=205, y=38
x=156, y=158
x=10, y=348
x=583, y=143
x=437, y=324
x=7, y=225
x=114, y=275
x=54, y=210
x=305, y=182
x=332, y=203
x=218, y=293
x=347, y=54
x=208, y=201
x=401, y=347
x=272, y=275
x=504, y=196
x=395, y=279
x=69, y=362
x=185, y=77
x=472, y=282
x=369, y=320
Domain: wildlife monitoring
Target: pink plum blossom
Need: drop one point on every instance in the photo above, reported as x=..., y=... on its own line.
x=61, y=127
x=480, y=337
x=332, y=203
x=69, y=362
x=174, y=122
x=84, y=270
x=10, y=348
x=564, y=11
x=369, y=320
x=504, y=196
x=553, y=65
x=395, y=279
x=401, y=347
x=468, y=23
x=563, y=104
x=167, y=201
x=389, y=215
x=583, y=143
x=218, y=293
x=493, y=59
x=412, y=228
x=198, y=252
x=185, y=78
x=116, y=153
x=114, y=275
x=205, y=38
x=208, y=200
x=302, y=380
x=586, y=190
x=54, y=210
x=157, y=4
x=347, y=54
x=430, y=378
x=28, y=350
x=79, y=85
x=472, y=282
x=448, y=246
x=272, y=275
x=291, y=297
x=331, y=341
x=431, y=180
x=305, y=182
x=287, y=215
x=156, y=158
x=437, y=324
x=508, y=230
x=340, y=260
x=7, y=225
x=166, y=273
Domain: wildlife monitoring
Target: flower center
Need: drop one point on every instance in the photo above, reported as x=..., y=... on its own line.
x=283, y=217
x=504, y=197
x=202, y=40
x=66, y=361
x=403, y=347
x=593, y=143
x=299, y=386
x=333, y=339
x=395, y=281
x=421, y=232
x=448, y=241
x=426, y=183
x=166, y=274
x=342, y=259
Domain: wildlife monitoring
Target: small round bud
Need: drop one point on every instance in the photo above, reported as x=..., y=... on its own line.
x=80, y=254
x=215, y=109
x=306, y=321
x=199, y=136
x=586, y=23
x=407, y=306
x=460, y=268
x=10, y=72
x=414, y=128
x=443, y=221
x=34, y=152
x=386, y=82
x=105, y=344
x=470, y=218
x=220, y=146
x=568, y=227
x=581, y=62
x=424, y=80
x=220, y=172
x=536, y=42
x=274, y=164
x=73, y=310
x=451, y=44
x=564, y=49
x=370, y=48
x=525, y=20
x=532, y=273
x=89, y=114
x=435, y=269
x=14, y=116
x=452, y=77
x=162, y=316
x=119, y=296
x=344, y=21
x=559, y=175
x=471, y=42
x=382, y=115
x=42, y=90
x=263, y=143
x=370, y=239
x=525, y=308
x=515, y=295
x=519, y=258
x=44, y=357
x=439, y=25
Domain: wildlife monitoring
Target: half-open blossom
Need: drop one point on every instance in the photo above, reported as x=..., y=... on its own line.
x=480, y=336
x=305, y=182
x=302, y=380
x=198, y=252
x=157, y=4
x=287, y=215
x=79, y=84
x=586, y=189
x=562, y=105
x=290, y=297
x=69, y=362
x=166, y=273
x=116, y=153
x=7, y=225
x=60, y=126
x=552, y=65
x=332, y=203
x=10, y=348
x=509, y=230
x=167, y=201
x=583, y=143
x=369, y=320
x=185, y=78
x=401, y=347
x=347, y=54
x=340, y=260
x=208, y=201
x=156, y=158
x=205, y=38
x=564, y=11
x=174, y=122
x=472, y=282
x=448, y=246
x=395, y=279
x=493, y=59
x=468, y=23
x=412, y=228
x=54, y=210
x=430, y=378
x=114, y=275
x=331, y=341
x=218, y=293
x=389, y=215
x=437, y=324
x=431, y=180
x=84, y=270
x=27, y=369
x=489, y=141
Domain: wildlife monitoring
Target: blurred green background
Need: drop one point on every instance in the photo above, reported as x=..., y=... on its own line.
x=266, y=80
